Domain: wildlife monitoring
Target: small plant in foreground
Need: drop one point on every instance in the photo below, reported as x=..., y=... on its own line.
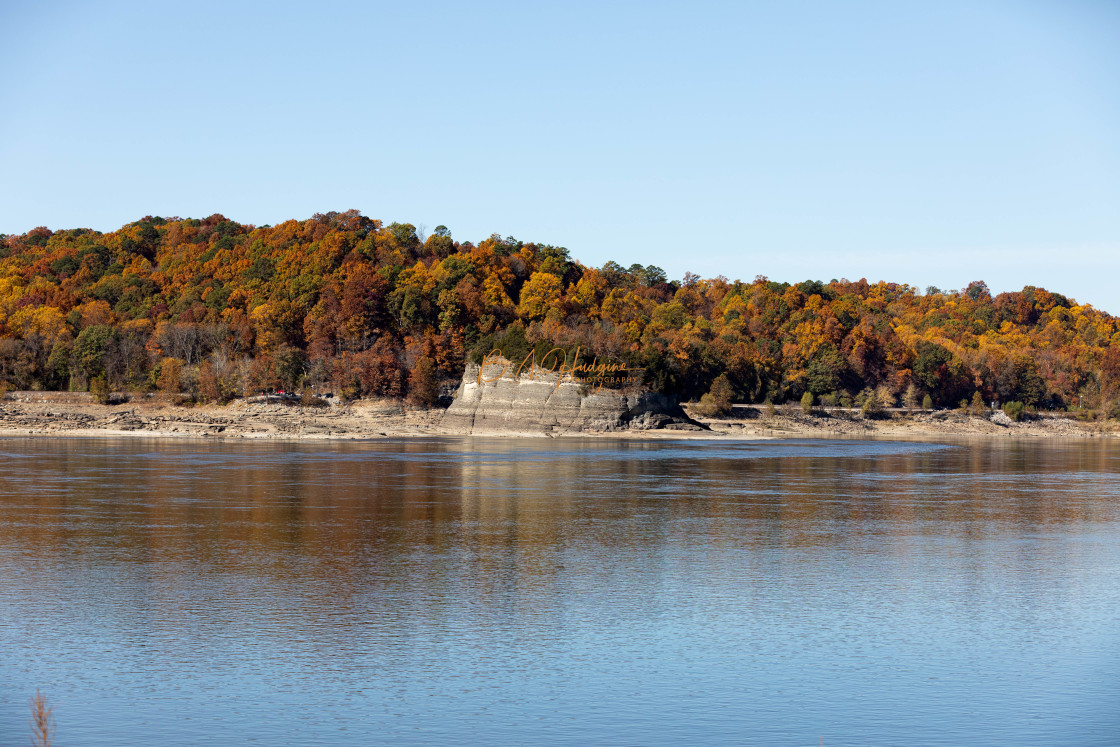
x=42, y=721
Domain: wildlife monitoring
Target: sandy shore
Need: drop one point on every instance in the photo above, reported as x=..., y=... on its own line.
x=67, y=415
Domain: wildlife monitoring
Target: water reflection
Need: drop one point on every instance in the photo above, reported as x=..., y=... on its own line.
x=561, y=591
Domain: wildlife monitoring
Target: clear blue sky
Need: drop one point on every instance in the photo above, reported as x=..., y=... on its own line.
x=931, y=143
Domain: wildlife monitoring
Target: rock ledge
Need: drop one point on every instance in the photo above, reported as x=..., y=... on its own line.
x=540, y=403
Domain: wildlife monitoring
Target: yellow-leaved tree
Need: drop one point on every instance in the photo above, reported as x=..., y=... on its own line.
x=540, y=293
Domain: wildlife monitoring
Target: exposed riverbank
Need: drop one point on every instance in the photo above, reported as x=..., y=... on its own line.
x=790, y=422
x=56, y=414
x=73, y=415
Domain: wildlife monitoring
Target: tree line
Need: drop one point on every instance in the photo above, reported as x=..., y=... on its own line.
x=213, y=309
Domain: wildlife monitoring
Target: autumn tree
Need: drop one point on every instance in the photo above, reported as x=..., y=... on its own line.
x=717, y=402
x=910, y=398
x=978, y=408
x=885, y=396
x=423, y=384
x=538, y=295
x=208, y=386
x=99, y=389
x=169, y=379
x=869, y=403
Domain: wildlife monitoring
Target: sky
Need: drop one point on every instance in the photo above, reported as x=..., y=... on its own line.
x=925, y=143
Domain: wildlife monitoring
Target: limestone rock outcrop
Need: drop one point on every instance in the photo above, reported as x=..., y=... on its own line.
x=540, y=402
x=999, y=417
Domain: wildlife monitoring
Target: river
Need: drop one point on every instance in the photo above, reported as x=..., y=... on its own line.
x=567, y=591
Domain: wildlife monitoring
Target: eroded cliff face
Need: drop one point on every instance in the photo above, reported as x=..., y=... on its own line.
x=541, y=403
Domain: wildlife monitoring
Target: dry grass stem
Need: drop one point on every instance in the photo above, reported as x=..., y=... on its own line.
x=42, y=721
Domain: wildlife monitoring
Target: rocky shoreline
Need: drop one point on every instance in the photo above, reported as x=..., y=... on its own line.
x=53, y=415
x=157, y=417
x=790, y=422
x=495, y=399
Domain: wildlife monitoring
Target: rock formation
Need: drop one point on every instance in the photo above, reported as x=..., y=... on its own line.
x=542, y=402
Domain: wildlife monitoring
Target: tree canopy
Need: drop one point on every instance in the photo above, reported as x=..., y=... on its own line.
x=341, y=301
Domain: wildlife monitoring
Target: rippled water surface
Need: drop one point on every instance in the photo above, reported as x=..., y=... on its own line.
x=562, y=592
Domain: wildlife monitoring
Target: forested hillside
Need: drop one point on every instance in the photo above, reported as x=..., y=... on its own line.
x=215, y=309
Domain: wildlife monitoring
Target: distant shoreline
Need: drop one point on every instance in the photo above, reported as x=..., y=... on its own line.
x=790, y=422
x=377, y=419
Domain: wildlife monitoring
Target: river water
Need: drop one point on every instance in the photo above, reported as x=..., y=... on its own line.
x=474, y=591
